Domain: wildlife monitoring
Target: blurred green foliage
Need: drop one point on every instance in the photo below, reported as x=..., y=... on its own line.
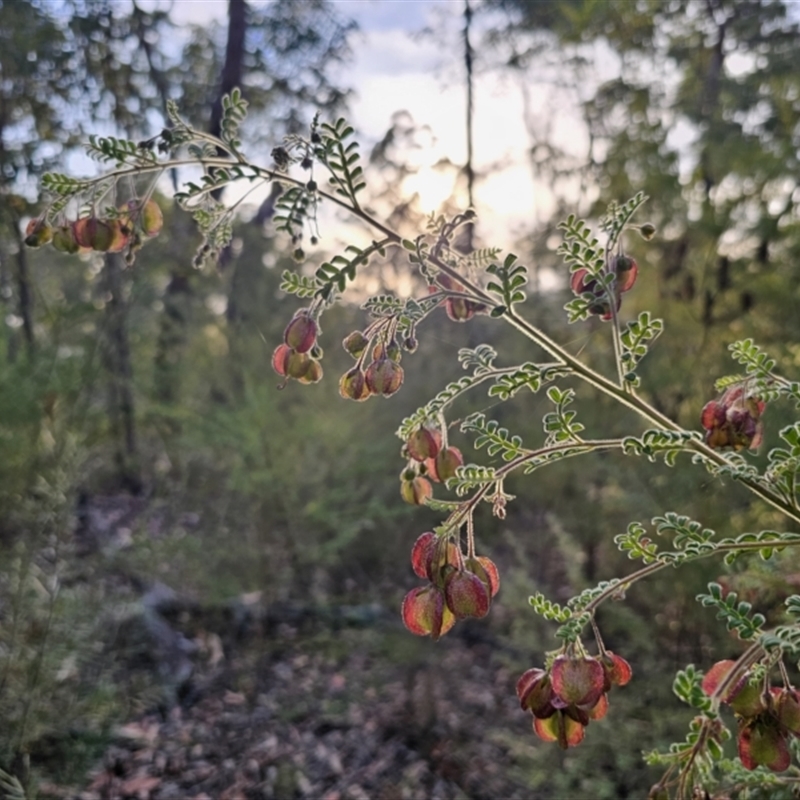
x=294, y=493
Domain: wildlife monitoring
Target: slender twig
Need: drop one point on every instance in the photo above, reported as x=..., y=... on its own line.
x=649, y=569
x=467, y=507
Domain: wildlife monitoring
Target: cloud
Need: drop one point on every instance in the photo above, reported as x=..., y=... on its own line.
x=383, y=15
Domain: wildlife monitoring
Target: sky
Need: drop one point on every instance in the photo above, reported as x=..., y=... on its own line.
x=394, y=68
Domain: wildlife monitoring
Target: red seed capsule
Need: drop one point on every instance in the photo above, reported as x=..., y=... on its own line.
x=279, y=357
x=313, y=374
x=120, y=236
x=425, y=612
x=415, y=492
x=301, y=333
x=577, y=681
x=424, y=443
x=37, y=233
x=384, y=377
x=298, y=364
x=64, y=240
x=355, y=343
x=152, y=220
x=446, y=463
x=422, y=554
x=466, y=595
x=353, y=385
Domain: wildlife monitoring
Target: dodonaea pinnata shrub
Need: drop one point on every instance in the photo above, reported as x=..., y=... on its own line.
x=570, y=689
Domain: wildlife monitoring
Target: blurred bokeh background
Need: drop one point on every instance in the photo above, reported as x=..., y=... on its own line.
x=200, y=575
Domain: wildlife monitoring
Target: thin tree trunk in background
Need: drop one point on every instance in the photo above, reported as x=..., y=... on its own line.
x=231, y=78
x=172, y=333
x=468, y=167
x=467, y=245
x=25, y=298
x=156, y=74
x=5, y=295
x=232, y=68
x=174, y=318
x=117, y=359
x=711, y=112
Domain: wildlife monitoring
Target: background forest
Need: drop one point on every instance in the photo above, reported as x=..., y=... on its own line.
x=200, y=574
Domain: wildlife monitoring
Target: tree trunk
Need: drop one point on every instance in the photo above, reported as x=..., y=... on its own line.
x=174, y=320
x=232, y=68
x=469, y=228
x=117, y=361
x=24, y=297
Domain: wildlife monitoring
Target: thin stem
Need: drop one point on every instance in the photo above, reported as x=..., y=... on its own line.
x=616, y=339
x=787, y=683
x=624, y=584
x=466, y=509
x=601, y=648
x=470, y=537
x=611, y=296
x=656, y=566
x=443, y=429
x=698, y=747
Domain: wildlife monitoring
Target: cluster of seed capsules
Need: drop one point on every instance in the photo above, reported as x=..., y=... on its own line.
x=768, y=717
x=131, y=224
x=428, y=460
x=377, y=370
x=625, y=271
x=377, y=353
x=733, y=420
x=298, y=357
x=571, y=693
x=459, y=586
x=377, y=349
x=458, y=309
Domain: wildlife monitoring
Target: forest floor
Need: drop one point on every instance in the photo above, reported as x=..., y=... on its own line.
x=329, y=712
